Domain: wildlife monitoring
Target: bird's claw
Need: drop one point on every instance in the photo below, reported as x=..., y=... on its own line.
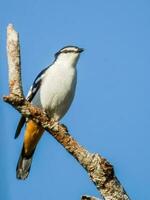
x=55, y=125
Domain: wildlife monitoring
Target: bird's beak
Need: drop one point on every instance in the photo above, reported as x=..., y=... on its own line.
x=81, y=50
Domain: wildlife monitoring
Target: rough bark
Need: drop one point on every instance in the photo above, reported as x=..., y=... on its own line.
x=99, y=169
x=13, y=55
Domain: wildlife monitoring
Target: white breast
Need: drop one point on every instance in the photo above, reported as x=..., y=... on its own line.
x=57, y=90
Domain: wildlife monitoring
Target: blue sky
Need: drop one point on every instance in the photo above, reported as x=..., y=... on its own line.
x=111, y=110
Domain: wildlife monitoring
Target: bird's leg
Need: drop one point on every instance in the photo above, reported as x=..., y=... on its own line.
x=54, y=127
x=55, y=122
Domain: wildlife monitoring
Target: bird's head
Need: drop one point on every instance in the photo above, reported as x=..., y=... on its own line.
x=69, y=54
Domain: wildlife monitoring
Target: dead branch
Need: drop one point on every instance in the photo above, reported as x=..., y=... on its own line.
x=99, y=169
x=13, y=55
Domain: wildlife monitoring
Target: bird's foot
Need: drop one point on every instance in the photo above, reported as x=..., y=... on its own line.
x=55, y=125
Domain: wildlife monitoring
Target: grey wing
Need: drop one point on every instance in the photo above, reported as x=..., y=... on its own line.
x=32, y=92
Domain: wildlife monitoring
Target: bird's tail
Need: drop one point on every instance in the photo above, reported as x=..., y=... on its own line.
x=32, y=136
x=24, y=165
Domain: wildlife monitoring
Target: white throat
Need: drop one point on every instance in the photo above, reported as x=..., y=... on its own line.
x=68, y=59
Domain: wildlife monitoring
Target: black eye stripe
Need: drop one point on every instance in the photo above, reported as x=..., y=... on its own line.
x=69, y=51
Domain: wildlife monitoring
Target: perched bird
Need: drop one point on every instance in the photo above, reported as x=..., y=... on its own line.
x=53, y=90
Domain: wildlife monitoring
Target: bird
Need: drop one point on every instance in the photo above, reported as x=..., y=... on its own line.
x=53, y=90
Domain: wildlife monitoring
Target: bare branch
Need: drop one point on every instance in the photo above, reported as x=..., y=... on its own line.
x=14, y=63
x=99, y=169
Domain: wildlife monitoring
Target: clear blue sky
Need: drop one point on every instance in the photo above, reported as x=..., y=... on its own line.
x=111, y=110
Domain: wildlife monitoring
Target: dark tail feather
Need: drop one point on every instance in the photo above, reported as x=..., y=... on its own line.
x=20, y=125
x=23, y=166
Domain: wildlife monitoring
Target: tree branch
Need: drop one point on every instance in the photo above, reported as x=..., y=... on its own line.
x=14, y=61
x=99, y=169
